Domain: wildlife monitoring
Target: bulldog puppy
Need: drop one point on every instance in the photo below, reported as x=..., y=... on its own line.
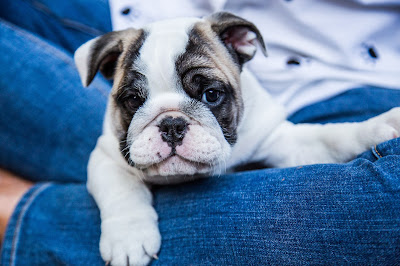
x=183, y=106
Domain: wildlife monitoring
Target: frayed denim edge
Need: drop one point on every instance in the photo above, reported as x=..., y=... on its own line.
x=13, y=231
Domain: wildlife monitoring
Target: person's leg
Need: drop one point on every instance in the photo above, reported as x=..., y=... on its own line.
x=355, y=105
x=12, y=189
x=53, y=224
x=319, y=214
x=67, y=24
x=49, y=122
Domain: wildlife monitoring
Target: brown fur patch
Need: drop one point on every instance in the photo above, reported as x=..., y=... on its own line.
x=206, y=58
x=125, y=78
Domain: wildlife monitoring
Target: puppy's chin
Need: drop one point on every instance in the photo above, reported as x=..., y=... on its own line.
x=176, y=169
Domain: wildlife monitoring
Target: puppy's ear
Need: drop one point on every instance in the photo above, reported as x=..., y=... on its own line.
x=239, y=35
x=102, y=54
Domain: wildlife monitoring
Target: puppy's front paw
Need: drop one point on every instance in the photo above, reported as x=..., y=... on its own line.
x=384, y=127
x=129, y=241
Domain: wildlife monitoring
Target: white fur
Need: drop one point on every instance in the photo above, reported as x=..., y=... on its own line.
x=129, y=222
x=81, y=60
x=166, y=40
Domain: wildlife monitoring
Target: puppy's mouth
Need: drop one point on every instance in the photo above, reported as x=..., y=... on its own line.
x=166, y=157
x=175, y=164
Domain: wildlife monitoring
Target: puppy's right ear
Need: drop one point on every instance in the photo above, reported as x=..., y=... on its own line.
x=102, y=54
x=237, y=34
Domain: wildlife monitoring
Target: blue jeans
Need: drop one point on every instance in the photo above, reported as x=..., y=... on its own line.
x=318, y=214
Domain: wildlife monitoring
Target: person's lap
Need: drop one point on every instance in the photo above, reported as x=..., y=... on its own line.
x=319, y=214
x=336, y=213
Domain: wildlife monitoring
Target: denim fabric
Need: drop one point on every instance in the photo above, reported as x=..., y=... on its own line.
x=352, y=106
x=67, y=24
x=49, y=122
x=53, y=234
x=318, y=214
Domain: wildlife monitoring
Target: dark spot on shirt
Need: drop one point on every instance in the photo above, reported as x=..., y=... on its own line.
x=293, y=62
x=372, y=52
x=126, y=11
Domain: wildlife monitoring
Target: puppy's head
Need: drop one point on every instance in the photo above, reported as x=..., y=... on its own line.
x=176, y=100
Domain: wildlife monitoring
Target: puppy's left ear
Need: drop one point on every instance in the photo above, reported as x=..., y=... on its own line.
x=102, y=54
x=239, y=35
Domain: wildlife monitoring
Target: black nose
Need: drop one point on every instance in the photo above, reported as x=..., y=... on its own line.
x=173, y=130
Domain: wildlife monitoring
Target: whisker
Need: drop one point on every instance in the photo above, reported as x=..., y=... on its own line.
x=124, y=149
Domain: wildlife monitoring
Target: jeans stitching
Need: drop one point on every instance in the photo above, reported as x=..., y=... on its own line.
x=376, y=153
x=20, y=218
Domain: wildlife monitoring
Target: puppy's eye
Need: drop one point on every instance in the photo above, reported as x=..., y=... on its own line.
x=133, y=102
x=212, y=97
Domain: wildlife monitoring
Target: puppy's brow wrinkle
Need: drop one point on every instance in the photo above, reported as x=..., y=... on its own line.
x=205, y=55
x=132, y=52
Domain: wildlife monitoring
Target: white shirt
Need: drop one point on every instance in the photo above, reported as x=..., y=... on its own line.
x=316, y=48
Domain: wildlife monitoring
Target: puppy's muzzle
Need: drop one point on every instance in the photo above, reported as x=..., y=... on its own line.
x=173, y=130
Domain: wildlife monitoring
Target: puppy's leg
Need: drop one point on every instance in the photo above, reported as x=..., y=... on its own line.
x=129, y=228
x=291, y=145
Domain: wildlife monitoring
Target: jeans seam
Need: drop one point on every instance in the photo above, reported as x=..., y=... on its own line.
x=20, y=218
x=64, y=21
